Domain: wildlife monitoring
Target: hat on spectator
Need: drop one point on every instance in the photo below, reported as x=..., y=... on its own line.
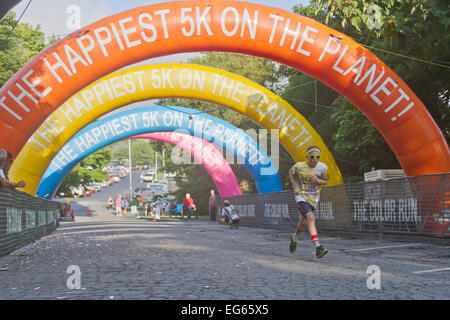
x=3, y=154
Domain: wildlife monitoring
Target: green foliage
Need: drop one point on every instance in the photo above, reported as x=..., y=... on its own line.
x=98, y=159
x=142, y=151
x=392, y=30
x=356, y=136
x=81, y=175
x=198, y=184
x=259, y=70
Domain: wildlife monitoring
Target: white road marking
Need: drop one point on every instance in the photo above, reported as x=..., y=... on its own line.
x=432, y=270
x=376, y=248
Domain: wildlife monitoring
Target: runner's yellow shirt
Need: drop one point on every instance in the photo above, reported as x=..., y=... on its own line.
x=309, y=191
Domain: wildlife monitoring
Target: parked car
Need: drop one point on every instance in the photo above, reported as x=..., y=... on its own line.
x=97, y=185
x=76, y=191
x=159, y=190
x=142, y=192
x=147, y=177
x=160, y=182
x=115, y=177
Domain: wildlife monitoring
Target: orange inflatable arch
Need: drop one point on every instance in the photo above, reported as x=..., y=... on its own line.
x=67, y=66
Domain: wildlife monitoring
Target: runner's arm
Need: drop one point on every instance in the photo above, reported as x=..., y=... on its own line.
x=295, y=182
x=293, y=179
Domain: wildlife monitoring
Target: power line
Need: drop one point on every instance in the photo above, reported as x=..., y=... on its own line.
x=312, y=103
x=190, y=113
x=407, y=57
x=299, y=86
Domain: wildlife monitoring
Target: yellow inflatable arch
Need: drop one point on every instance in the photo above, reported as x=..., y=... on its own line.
x=161, y=81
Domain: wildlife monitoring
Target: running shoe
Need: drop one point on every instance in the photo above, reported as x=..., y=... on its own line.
x=320, y=252
x=293, y=244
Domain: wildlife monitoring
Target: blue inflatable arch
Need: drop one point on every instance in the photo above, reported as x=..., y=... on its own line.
x=125, y=124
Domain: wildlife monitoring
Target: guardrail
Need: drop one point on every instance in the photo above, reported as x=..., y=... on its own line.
x=414, y=205
x=24, y=218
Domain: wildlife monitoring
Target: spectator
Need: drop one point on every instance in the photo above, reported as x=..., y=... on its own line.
x=212, y=206
x=118, y=206
x=110, y=203
x=126, y=205
x=188, y=206
x=148, y=210
x=61, y=211
x=68, y=201
x=167, y=208
x=158, y=210
x=122, y=205
x=66, y=210
x=5, y=163
x=141, y=208
x=173, y=209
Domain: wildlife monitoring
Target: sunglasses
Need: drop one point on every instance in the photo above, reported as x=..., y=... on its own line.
x=314, y=157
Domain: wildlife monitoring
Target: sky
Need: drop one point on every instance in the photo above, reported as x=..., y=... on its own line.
x=53, y=17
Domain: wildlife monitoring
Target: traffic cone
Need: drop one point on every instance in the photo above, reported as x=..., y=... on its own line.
x=90, y=213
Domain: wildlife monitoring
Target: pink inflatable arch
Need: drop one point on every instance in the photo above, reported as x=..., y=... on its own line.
x=205, y=153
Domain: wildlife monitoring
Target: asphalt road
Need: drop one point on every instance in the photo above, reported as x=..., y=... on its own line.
x=97, y=202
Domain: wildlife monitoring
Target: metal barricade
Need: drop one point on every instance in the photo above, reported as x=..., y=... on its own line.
x=413, y=205
x=24, y=218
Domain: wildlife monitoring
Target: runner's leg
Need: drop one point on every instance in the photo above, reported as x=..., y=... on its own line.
x=311, y=221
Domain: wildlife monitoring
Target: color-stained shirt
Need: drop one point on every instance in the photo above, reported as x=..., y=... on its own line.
x=309, y=191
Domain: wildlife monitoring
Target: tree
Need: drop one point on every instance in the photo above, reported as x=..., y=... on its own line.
x=142, y=151
x=399, y=29
x=412, y=38
x=98, y=159
x=17, y=46
x=198, y=184
x=81, y=175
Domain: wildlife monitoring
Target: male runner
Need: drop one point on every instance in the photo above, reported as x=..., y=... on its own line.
x=307, y=178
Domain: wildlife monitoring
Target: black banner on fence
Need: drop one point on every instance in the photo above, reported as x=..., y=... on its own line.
x=24, y=218
x=418, y=204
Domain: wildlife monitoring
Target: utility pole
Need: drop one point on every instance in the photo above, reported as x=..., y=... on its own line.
x=130, y=169
x=156, y=166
